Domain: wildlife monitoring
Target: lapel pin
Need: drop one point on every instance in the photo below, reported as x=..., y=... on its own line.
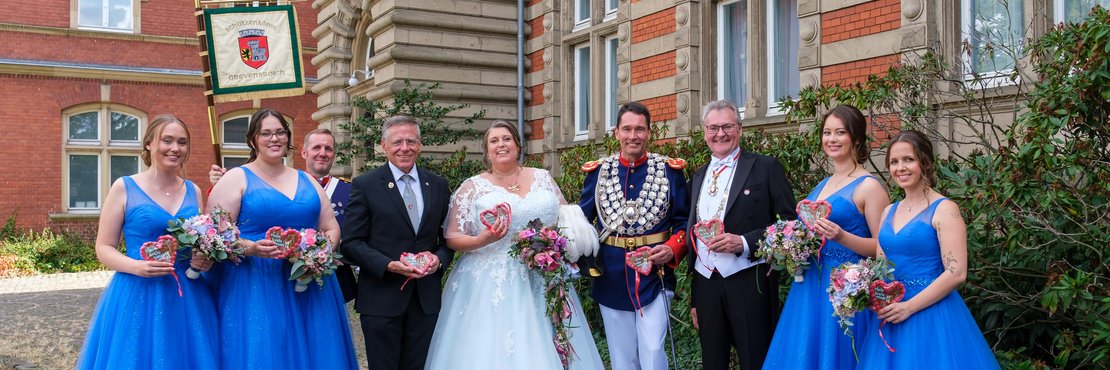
x=391, y=184
x=746, y=191
x=427, y=184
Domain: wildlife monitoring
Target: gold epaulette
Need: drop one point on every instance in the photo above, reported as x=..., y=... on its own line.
x=590, y=166
x=676, y=163
x=343, y=179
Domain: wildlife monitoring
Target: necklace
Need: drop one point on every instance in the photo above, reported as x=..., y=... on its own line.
x=161, y=190
x=515, y=185
x=917, y=203
x=717, y=174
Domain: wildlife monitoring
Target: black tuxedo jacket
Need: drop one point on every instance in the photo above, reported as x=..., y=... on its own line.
x=377, y=230
x=759, y=195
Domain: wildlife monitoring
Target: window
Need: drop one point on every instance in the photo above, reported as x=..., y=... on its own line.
x=782, y=32
x=1075, y=10
x=234, y=150
x=994, y=31
x=732, y=52
x=611, y=108
x=581, y=13
x=581, y=90
x=102, y=144
x=610, y=9
x=111, y=15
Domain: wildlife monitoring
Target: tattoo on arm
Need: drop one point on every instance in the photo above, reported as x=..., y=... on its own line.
x=950, y=262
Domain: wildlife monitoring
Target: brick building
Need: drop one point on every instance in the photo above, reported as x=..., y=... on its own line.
x=585, y=57
x=81, y=78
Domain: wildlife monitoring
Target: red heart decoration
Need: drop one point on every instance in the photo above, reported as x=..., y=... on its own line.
x=418, y=261
x=500, y=211
x=883, y=294
x=638, y=260
x=708, y=229
x=286, y=240
x=163, y=250
x=810, y=211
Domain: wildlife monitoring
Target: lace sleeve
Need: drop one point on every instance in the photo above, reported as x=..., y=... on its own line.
x=545, y=181
x=461, y=219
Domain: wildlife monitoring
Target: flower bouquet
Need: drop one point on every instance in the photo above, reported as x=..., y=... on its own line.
x=850, y=289
x=313, y=258
x=541, y=249
x=788, y=246
x=212, y=235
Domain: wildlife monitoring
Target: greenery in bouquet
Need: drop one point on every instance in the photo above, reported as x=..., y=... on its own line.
x=541, y=249
x=209, y=234
x=788, y=246
x=313, y=259
x=849, y=288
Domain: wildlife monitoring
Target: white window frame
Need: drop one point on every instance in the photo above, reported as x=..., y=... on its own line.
x=611, y=83
x=582, y=89
x=1058, y=11
x=721, y=64
x=234, y=150
x=579, y=21
x=992, y=79
x=104, y=26
x=611, y=9
x=103, y=148
x=773, y=106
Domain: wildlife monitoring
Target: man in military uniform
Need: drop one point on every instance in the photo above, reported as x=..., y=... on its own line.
x=319, y=156
x=636, y=199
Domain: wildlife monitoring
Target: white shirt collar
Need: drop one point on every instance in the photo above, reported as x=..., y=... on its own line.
x=397, y=173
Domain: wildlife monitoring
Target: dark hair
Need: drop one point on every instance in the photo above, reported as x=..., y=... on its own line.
x=154, y=130
x=485, y=140
x=922, y=149
x=856, y=125
x=255, y=125
x=634, y=107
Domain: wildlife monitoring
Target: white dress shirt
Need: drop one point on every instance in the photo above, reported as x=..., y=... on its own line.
x=710, y=207
x=397, y=173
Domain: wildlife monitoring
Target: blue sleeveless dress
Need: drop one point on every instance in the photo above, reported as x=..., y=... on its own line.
x=142, y=323
x=941, y=336
x=808, y=335
x=264, y=324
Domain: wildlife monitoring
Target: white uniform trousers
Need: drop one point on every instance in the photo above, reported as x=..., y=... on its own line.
x=635, y=342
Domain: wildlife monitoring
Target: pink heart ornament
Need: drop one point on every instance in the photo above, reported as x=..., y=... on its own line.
x=708, y=229
x=163, y=250
x=810, y=211
x=638, y=260
x=420, y=262
x=884, y=294
x=501, y=211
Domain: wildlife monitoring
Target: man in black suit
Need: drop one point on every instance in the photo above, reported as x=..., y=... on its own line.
x=734, y=301
x=394, y=209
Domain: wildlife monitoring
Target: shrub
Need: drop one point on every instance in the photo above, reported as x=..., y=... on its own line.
x=45, y=252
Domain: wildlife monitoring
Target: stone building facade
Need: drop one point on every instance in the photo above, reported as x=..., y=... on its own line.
x=583, y=58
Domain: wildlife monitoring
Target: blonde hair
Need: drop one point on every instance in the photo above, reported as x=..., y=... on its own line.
x=154, y=130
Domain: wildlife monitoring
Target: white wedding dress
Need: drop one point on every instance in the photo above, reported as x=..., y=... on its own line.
x=492, y=315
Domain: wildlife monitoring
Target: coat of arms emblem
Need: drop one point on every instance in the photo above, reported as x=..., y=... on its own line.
x=253, y=47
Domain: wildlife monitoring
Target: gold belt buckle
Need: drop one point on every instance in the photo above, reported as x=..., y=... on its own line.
x=630, y=242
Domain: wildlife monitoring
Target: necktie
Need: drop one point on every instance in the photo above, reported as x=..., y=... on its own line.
x=410, y=201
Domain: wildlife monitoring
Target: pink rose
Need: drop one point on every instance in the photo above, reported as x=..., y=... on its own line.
x=543, y=260
x=789, y=230
x=526, y=233
x=852, y=276
x=772, y=229
x=310, y=235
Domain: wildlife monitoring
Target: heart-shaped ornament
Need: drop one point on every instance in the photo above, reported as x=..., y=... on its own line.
x=499, y=212
x=420, y=262
x=163, y=250
x=810, y=211
x=708, y=229
x=638, y=260
x=286, y=240
x=883, y=294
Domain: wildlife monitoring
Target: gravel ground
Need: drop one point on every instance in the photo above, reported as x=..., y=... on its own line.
x=44, y=318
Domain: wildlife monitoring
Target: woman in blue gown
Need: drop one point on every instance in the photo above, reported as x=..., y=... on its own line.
x=926, y=239
x=142, y=322
x=264, y=324
x=808, y=335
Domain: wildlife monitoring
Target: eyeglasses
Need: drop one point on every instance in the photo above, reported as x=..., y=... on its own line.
x=270, y=134
x=728, y=129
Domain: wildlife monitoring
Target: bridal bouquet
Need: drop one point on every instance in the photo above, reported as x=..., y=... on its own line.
x=210, y=234
x=850, y=289
x=542, y=249
x=311, y=253
x=788, y=247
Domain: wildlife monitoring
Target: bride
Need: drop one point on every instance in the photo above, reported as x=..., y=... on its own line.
x=493, y=314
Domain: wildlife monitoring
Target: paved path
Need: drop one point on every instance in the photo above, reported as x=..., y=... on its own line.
x=43, y=319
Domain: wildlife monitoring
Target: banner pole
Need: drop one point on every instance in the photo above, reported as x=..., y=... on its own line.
x=206, y=73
